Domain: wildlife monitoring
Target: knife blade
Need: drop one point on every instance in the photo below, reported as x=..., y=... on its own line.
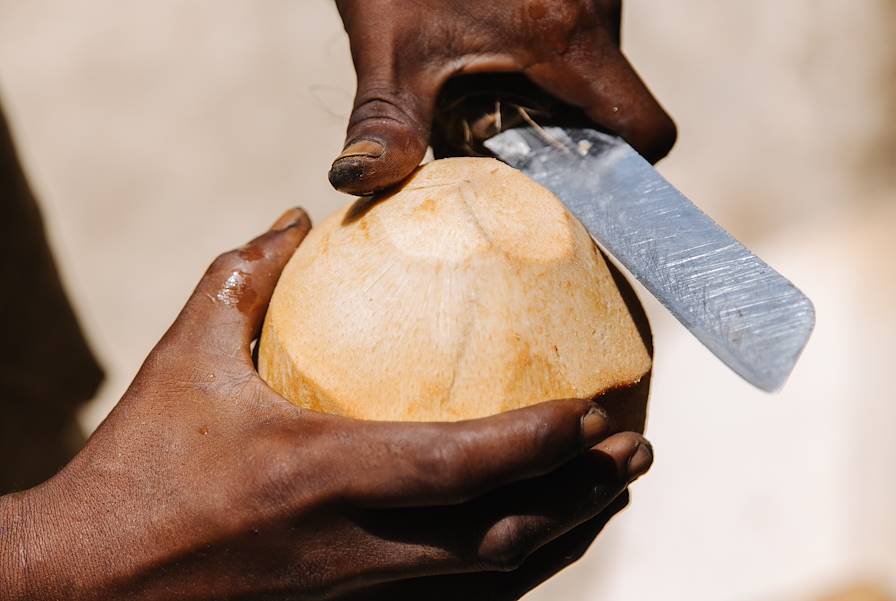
x=751, y=317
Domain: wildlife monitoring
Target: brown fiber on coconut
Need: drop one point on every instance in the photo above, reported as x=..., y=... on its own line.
x=469, y=291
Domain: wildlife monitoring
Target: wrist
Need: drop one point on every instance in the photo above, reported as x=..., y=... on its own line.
x=36, y=558
x=12, y=545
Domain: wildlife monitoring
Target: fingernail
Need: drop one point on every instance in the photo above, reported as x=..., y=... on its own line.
x=344, y=176
x=350, y=167
x=290, y=218
x=595, y=426
x=640, y=460
x=362, y=148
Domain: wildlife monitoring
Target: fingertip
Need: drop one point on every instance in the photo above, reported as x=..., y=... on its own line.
x=279, y=242
x=274, y=248
x=595, y=425
x=296, y=217
x=661, y=139
x=365, y=176
x=640, y=460
x=631, y=453
x=352, y=170
x=350, y=175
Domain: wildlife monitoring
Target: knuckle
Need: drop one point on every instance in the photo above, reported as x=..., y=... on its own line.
x=229, y=279
x=380, y=102
x=545, y=428
x=448, y=462
x=554, y=19
x=270, y=480
x=506, y=546
x=278, y=477
x=224, y=262
x=357, y=468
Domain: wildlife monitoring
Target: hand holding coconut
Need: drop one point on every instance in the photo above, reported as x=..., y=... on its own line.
x=203, y=482
x=206, y=482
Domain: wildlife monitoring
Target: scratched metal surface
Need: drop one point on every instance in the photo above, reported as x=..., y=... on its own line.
x=745, y=312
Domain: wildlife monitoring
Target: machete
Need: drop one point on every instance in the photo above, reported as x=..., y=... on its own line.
x=746, y=313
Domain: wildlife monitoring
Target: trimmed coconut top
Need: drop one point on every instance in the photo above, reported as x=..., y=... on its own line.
x=490, y=209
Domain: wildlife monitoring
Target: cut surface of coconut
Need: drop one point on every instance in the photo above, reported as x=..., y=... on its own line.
x=469, y=291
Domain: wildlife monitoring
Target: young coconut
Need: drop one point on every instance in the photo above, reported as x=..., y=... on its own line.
x=469, y=291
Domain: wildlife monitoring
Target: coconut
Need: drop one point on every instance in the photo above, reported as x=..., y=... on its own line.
x=468, y=291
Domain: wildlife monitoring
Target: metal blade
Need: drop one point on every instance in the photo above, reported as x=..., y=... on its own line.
x=745, y=312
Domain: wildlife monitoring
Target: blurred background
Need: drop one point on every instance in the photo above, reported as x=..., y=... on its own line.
x=158, y=134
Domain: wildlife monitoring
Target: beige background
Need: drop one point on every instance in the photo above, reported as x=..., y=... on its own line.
x=161, y=133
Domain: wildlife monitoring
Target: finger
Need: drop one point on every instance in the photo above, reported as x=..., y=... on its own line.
x=535, y=512
x=499, y=531
x=448, y=463
x=388, y=131
x=500, y=586
x=226, y=310
x=550, y=559
x=602, y=83
x=503, y=586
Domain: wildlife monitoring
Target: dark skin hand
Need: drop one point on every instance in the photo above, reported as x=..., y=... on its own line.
x=205, y=484
x=405, y=50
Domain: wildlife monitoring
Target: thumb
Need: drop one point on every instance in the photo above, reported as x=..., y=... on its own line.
x=226, y=310
x=387, y=137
